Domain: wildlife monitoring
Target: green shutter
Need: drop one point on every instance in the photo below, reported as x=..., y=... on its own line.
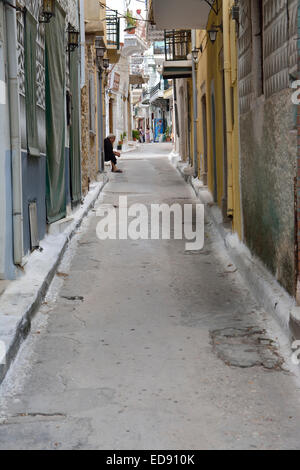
x=55, y=53
x=30, y=84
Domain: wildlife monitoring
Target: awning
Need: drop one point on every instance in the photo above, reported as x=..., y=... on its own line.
x=177, y=69
x=178, y=14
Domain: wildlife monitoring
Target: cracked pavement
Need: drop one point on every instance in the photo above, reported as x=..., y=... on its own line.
x=141, y=345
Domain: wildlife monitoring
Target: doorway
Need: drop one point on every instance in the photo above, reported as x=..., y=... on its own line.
x=214, y=146
x=204, y=130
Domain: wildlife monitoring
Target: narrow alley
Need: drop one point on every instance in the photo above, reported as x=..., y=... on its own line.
x=141, y=344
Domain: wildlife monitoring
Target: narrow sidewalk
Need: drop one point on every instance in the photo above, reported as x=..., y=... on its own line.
x=21, y=298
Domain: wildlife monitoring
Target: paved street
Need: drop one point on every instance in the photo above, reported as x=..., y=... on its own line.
x=142, y=345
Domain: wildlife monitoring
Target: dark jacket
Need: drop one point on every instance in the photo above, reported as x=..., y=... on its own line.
x=108, y=151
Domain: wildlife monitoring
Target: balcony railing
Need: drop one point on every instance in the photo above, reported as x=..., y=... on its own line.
x=145, y=99
x=155, y=89
x=177, y=44
x=113, y=29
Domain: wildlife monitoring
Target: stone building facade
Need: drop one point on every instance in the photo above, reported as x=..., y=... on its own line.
x=297, y=180
x=89, y=117
x=267, y=65
x=42, y=151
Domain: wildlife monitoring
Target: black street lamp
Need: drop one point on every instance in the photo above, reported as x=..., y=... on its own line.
x=212, y=35
x=195, y=53
x=73, y=38
x=214, y=31
x=100, y=50
x=105, y=64
x=48, y=11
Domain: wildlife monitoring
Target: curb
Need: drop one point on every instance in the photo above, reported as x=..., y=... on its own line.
x=263, y=286
x=23, y=297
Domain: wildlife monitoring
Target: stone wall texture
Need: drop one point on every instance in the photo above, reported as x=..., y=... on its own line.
x=89, y=120
x=297, y=198
x=268, y=137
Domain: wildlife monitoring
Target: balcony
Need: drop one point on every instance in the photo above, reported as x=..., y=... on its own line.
x=177, y=59
x=177, y=44
x=145, y=98
x=157, y=93
x=113, y=29
x=135, y=40
x=113, y=36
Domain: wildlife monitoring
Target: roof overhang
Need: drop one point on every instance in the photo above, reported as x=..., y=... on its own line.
x=178, y=14
x=177, y=69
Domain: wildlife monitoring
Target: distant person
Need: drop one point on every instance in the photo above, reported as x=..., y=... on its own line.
x=142, y=136
x=148, y=135
x=110, y=154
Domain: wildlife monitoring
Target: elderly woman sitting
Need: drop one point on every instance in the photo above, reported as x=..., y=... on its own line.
x=110, y=154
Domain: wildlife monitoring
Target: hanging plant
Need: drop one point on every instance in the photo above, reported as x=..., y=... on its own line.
x=130, y=20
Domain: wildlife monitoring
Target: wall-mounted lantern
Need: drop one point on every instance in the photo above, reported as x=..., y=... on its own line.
x=47, y=11
x=213, y=32
x=105, y=64
x=73, y=38
x=235, y=11
x=195, y=53
x=100, y=51
x=212, y=35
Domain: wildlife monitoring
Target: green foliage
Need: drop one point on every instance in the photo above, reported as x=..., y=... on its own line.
x=168, y=131
x=135, y=134
x=131, y=21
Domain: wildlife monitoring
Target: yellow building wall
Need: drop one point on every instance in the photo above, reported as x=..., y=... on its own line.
x=191, y=121
x=201, y=92
x=237, y=219
x=214, y=86
x=211, y=81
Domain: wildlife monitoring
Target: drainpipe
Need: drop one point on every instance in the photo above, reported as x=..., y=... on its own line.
x=15, y=131
x=100, y=121
x=228, y=104
x=82, y=44
x=195, y=107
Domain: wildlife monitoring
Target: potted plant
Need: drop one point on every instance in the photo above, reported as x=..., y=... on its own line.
x=135, y=135
x=168, y=134
x=131, y=22
x=120, y=143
